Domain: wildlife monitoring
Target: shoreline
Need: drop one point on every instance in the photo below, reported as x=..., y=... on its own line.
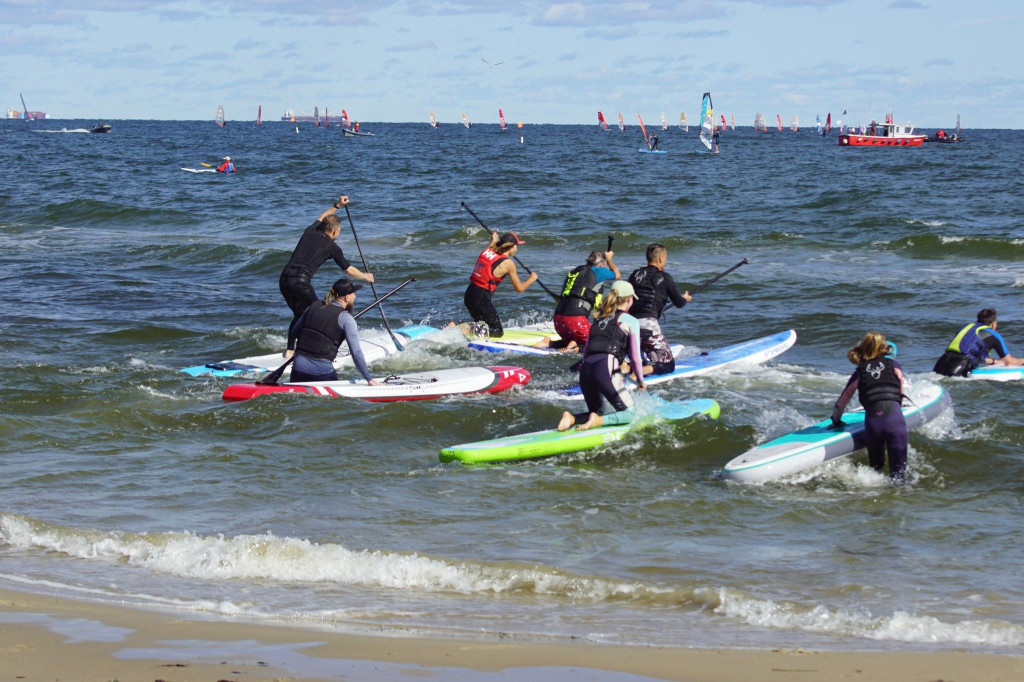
x=51, y=638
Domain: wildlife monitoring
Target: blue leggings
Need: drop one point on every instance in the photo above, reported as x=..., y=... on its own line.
x=886, y=429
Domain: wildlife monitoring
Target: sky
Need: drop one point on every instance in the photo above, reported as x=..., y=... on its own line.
x=541, y=62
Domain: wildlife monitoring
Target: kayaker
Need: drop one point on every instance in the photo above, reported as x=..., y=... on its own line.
x=320, y=331
x=973, y=346
x=878, y=382
x=227, y=166
x=614, y=336
x=492, y=266
x=654, y=288
x=581, y=292
x=315, y=246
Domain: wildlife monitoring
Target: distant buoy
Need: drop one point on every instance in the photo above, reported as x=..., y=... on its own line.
x=520, y=139
x=296, y=129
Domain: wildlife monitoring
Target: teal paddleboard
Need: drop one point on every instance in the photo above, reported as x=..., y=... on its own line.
x=554, y=442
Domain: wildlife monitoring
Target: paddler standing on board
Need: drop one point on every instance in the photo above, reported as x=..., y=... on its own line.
x=319, y=332
x=492, y=266
x=614, y=336
x=315, y=246
x=654, y=288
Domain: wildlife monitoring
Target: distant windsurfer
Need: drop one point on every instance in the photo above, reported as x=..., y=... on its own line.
x=315, y=246
x=714, y=138
x=654, y=288
x=227, y=166
x=654, y=141
x=492, y=266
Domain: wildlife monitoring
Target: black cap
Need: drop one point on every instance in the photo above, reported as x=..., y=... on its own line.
x=344, y=287
x=510, y=238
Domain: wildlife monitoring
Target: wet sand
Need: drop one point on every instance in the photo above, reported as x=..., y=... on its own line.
x=45, y=638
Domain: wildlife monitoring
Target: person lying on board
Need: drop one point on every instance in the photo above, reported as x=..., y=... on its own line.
x=973, y=346
x=654, y=288
x=315, y=246
x=878, y=382
x=614, y=335
x=319, y=333
x=581, y=293
x=492, y=266
x=227, y=166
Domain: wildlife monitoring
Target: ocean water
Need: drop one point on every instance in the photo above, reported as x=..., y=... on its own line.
x=125, y=480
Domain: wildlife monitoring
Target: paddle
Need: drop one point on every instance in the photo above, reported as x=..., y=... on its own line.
x=208, y=165
x=610, y=240
x=516, y=258
x=271, y=379
x=719, y=276
x=366, y=268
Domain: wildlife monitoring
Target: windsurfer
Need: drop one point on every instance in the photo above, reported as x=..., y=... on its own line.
x=227, y=166
x=654, y=141
x=492, y=266
x=654, y=288
x=714, y=138
x=315, y=246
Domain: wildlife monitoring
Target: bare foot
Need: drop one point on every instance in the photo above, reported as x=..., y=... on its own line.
x=543, y=343
x=593, y=422
x=566, y=421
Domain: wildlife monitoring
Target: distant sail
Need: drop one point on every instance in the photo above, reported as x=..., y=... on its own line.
x=433, y=120
x=501, y=117
x=259, y=116
x=622, y=123
x=345, y=123
x=664, y=121
x=643, y=129
x=794, y=125
x=465, y=121
x=732, y=121
x=219, y=119
x=778, y=117
x=958, y=125
x=683, y=123
x=760, y=125
x=707, y=120
x=840, y=124
x=327, y=119
x=601, y=122
x=817, y=122
x=316, y=116
x=724, y=126
x=828, y=125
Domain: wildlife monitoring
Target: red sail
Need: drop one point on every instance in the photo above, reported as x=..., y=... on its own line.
x=600, y=119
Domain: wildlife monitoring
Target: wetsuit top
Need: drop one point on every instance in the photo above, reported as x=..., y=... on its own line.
x=875, y=381
x=580, y=290
x=313, y=249
x=226, y=167
x=483, y=272
x=652, y=289
x=320, y=332
x=617, y=335
x=976, y=341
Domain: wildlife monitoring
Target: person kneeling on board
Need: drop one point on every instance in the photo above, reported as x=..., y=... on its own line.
x=492, y=266
x=614, y=335
x=320, y=331
x=878, y=382
x=315, y=246
x=654, y=287
x=581, y=292
x=227, y=166
x=972, y=347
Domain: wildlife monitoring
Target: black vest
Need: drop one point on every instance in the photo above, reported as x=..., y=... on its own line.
x=578, y=292
x=607, y=336
x=649, y=292
x=321, y=335
x=877, y=381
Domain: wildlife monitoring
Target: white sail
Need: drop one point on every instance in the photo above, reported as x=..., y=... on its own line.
x=794, y=125
x=433, y=119
x=683, y=123
x=664, y=121
x=707, y=120
x=622, y=123
x=219, y=119
x=465, y=121
x=759, y=123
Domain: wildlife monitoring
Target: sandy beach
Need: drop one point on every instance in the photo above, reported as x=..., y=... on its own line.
x=46, y=638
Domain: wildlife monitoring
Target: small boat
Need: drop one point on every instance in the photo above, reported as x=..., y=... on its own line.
x=944, y=137
x=100, y=128
x=886, y=134
x=353, y=132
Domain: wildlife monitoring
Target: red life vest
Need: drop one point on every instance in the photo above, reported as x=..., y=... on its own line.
x=483, y=272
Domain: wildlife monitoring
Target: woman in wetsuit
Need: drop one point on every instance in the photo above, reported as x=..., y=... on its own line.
x=614, y=335
x=878, y=381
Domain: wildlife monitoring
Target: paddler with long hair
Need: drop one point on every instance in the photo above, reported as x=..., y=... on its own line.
x=614, y=335
x=492, y=266
x=319, y=333
x=315, y=246
x=878, y=382
x=581, y=292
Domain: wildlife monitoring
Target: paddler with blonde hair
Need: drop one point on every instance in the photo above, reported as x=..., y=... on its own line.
x=614, y=335
x=878, y=382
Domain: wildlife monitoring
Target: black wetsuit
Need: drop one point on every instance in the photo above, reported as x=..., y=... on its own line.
x=296, y=281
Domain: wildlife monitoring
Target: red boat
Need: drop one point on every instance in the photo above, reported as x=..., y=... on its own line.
x=886, y=134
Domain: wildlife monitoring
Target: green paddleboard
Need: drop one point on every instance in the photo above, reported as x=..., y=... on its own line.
x=554, y=442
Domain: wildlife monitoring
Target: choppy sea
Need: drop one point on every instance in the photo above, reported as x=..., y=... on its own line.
x=124, y=480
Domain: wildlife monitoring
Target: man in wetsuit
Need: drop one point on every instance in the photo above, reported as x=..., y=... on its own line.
x=714, y=138
x=973, y=346
x=319, y=333
x=227, y=166
x=492, y=266
x=654, y=141
x=654, y=288
x=315, y=246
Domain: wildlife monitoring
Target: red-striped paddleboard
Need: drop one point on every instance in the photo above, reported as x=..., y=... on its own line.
x=415, y=386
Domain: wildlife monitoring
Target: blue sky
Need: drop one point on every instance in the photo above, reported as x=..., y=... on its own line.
x=560, y=62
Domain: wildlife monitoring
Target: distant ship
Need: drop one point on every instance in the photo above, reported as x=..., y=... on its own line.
x=30, y=115
x=292, y=117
